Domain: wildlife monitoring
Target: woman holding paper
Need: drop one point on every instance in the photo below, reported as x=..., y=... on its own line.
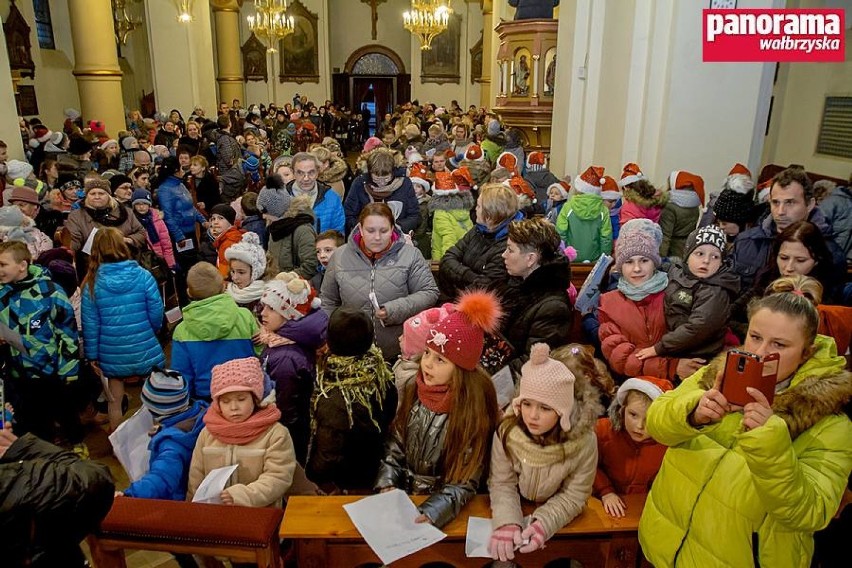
x=750, y=485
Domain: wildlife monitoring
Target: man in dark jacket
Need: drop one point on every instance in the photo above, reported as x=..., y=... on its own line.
x=533, y=9
x=51, y=499
x=791, y=199
x=387, y=184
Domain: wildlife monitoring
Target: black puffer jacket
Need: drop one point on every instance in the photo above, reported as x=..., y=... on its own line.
x=51, y=500
x=542, y=312
x=476, y=262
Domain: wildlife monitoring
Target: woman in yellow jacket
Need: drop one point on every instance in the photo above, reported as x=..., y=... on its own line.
x=749, y=486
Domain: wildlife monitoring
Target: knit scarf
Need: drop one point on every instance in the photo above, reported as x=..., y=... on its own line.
x=656, y=283
x=380, y=193
x=271, y=339
x=358, y=379
x=524, y=449
x=436, y=398
x=147, y=221
x=247, y=295
x=243, y=432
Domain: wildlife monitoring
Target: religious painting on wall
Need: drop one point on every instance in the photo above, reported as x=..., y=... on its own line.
x=254, y=60
x=300, y=50
x=521, y=73
x=441, y=63
x=476, y=62
x=550, y=72
x=17, y=34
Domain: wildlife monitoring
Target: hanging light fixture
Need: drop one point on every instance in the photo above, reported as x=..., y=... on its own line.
x=123, y=22
x=184, y=8
x=271, y=22
x=426, y=19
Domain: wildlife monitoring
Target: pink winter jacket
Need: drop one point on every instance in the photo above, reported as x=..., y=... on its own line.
x=630, y=210
x=164, y=247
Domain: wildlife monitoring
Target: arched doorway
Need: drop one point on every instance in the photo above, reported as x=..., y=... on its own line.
x=374, y=78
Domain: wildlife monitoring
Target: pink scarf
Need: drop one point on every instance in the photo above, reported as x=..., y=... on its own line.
x=244, y=432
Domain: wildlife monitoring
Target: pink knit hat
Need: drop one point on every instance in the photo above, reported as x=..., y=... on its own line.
x=237, y=375
x=371, y=144
x=549, y=382
x=415, y=330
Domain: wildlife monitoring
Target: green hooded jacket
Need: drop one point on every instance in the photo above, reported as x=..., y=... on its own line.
x=584, y=224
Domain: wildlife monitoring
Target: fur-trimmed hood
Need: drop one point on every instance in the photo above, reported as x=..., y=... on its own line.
x=630, y=194
x=821, y=387
x=335, y=172
x=452, y=202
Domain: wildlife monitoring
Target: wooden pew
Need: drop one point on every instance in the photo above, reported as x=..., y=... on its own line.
x=579, y=271
x=242, y=534
x=324, y=536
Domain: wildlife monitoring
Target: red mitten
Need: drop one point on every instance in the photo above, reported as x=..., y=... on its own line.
x=536, y=536
x=503, y=542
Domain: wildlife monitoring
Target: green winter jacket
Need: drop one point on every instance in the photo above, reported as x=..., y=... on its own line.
x=677, y=222
x=450, y=220
x=722, y=490
x=584, y=224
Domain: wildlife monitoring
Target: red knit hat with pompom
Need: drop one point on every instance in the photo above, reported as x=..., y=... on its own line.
x=459, y=337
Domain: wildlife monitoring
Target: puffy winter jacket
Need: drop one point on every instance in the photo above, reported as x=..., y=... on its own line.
x=415, y=466
x=634, y=206
x=401, y=279
x=292, y=369
x=50, y=499
x=171, y=449
x=328, y=209
x=584, y=224
x=292, y=245
x=450, y=220
x=677, y=222
x=409, y=215
x=837, y=209
x=121, y=319
x=39, y=310
x=213, y=331
x=540, y=180
x=476, y=261
x=729, y=497
x=624, y=465
x=178, y=209
x=163, y=248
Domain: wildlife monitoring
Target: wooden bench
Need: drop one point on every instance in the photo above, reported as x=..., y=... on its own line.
x=324, y=536
x=579, y=271
x=242, y=534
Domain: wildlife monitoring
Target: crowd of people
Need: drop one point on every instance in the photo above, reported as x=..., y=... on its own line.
x=366, y=313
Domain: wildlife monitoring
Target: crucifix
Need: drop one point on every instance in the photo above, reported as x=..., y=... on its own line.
x=374, y=8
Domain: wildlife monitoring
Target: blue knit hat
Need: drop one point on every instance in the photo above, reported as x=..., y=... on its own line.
x=141, y=196
x=165, y=393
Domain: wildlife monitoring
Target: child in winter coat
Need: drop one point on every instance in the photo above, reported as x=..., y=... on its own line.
x=557, y=197
x=441, y=434
x=419, y=176
x=224, y=233
x=292, y=243
x=325, y=244
x=252, y=220
x=628, y=458
x=214, y=330
x=240, y=430
x=178, y=421
x=698, y=300
x=584, y=221
x=611, y=196
x=156, y=231
x=538, y=176
x=352, y=406
x=248, y=264
x=450, y=208
x=545, y=452
x=640, y=199
x=293, y=329
x=681, y=213
x=632, y=317
x=412, y=344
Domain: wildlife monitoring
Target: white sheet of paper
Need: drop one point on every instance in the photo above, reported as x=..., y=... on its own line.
x=184, y=245
x=386, y=521
x=87, y=246
x=479, y=535
x=213, y=484
x=504, y=384
x=130, y=443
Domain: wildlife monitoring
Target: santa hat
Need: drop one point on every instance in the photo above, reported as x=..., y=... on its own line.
x=739, y=169
x=97, y=126
x=547, y=381
x=250, y=251
x=412, y=156
x=474, y=153
x=680, y=179
x=415, y=330
x=422, y=182
x=609, y=189
x=563, y=187
x=739, y=183
x=508, y=161
x=650, y=386
x=520, y=186
x=590, y=181
x=535, y=161
x=290, y=296
x=460, y=336
x=630, y=174
x=463, y=178
x=108, y=143
x=418, y=170
x=444, y=184
x=763, y=190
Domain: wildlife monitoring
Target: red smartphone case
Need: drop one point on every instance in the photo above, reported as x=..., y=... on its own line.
x=744, y=369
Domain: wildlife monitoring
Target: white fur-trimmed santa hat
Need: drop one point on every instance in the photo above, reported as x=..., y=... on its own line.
x=590, y=181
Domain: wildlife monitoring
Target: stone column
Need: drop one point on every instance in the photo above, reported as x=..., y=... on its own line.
x=487, y=41
x=226, y=14
x=96, y=63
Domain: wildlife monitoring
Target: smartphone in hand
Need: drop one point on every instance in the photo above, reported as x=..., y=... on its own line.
x=743, y=370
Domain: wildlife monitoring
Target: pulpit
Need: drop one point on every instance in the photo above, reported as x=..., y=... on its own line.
x=527, y=63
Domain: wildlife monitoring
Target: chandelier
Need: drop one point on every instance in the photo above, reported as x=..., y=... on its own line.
x=271, y=22
x=184, y=8
x=123, y=22
x=426, y=19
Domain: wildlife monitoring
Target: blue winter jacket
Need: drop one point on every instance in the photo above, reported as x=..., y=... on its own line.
x=408, y=218
x=171, y=451
x=121, y=321
x=179, y=211
x=328, y=209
